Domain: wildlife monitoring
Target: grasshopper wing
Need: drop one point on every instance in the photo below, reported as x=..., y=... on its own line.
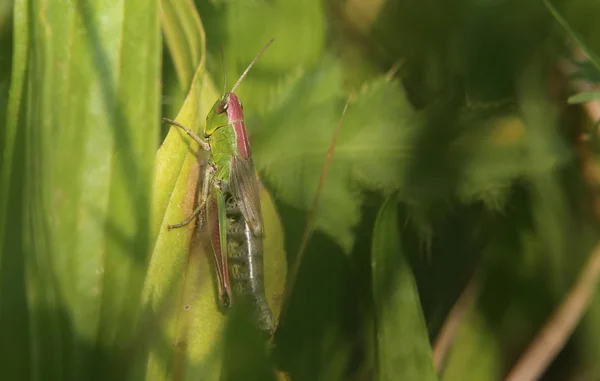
x=244, y=187
x=216, y=221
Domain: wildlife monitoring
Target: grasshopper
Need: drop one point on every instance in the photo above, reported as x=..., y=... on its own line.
x=231, y=204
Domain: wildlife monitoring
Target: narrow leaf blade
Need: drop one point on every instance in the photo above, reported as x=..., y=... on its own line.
x=403, y=348
x=584, y=97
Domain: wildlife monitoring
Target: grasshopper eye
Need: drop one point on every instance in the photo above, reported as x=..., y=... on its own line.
x=222, y=107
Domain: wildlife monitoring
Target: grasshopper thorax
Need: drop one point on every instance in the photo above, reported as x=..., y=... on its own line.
x=229, y=111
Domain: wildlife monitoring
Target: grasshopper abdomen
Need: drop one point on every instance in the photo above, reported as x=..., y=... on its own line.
x=245, y=262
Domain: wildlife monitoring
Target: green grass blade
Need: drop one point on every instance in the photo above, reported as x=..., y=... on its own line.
x=403, y=349
x=584, y=97
x=175, y=278
x=185, y=38
x=136, y=136
x=82, y=133
x=13, y=303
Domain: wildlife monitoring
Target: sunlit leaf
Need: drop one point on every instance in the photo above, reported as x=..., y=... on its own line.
x=83, y=120
x=184, y=34
x=179, y=286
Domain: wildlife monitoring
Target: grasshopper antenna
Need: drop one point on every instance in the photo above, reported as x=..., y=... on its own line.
x=224, y=70
x=251, y=64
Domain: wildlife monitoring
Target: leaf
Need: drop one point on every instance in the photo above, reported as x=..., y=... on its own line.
x=6, y=45
x=185, y=38
x=584, y=97
x=275, y=259
x=291, y=142
x=479, y=154
x=81, y=136
x=179, y=285
x=14, y=313
x=431, y=156
x=403, y=349
x=493, y=150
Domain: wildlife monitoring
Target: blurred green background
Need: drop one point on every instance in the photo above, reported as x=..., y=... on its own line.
x=463, y=187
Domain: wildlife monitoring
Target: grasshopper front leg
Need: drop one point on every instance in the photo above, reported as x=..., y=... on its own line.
x=208, y=173
x=203, y=144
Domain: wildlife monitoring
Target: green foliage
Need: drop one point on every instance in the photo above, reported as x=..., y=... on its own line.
x=452, y=156
x=80, y=139
x=593, y=71
x=295, y=134
x=397, y=305
x=584, y=97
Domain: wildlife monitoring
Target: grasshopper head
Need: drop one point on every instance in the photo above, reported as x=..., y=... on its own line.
x=217, y=117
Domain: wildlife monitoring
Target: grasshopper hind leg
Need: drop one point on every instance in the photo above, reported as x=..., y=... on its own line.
x=194, y=214
x=208, y=173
